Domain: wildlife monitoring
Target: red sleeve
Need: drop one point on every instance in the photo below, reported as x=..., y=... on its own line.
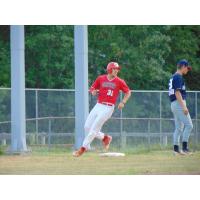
x=124, y=87
x=95, y=85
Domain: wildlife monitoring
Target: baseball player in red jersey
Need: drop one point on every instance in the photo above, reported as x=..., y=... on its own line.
x=107, y=87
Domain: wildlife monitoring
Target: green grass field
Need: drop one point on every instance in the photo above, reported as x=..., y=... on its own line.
x=62, y=162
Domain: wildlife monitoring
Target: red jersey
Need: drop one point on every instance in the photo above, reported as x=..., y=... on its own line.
x=109, y=89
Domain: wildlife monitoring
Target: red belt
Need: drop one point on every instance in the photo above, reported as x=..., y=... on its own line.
x=107, y=104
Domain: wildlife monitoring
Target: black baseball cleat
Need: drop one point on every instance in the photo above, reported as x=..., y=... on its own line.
x=185, y=148
x=181, y=153
x=187, y=151
x=177, y=151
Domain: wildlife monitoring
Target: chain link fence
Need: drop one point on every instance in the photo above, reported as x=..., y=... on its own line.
x=145, y=120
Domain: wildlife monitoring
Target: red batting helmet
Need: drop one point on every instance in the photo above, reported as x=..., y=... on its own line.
x=112, y=65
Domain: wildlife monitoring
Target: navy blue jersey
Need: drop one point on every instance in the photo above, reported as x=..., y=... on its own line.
x=176, y=82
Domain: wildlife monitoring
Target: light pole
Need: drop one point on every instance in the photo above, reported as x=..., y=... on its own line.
x=81, y=82
x=18, y=123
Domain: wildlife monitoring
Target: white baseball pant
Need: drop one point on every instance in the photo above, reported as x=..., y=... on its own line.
x=95, y=120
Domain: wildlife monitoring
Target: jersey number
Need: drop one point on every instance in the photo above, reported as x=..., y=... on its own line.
x=110, y=93
x=171, y=91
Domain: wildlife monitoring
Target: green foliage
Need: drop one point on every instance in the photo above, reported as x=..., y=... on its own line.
x=49, y=57
x=1, y=151
x=5, y=105
x=4, y=64
x=148, y=54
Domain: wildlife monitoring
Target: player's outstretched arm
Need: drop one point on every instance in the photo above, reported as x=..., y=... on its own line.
x=125, y=99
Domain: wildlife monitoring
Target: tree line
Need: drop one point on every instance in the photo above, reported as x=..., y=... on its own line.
x=147, y=54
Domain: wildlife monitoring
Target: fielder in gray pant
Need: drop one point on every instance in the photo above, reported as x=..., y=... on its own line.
x=183, y=123
x=177, y=95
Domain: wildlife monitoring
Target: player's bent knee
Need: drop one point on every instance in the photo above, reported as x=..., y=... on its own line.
x=178, y=130
x=92, y=134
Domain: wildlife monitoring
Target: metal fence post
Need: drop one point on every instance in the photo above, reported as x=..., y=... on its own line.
x=122, y=134
x=149, y=129
x=161, y=136
x=43, y=139
x=3, y=142
x=196, y=122
x=49, y=134
x=36, y=114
